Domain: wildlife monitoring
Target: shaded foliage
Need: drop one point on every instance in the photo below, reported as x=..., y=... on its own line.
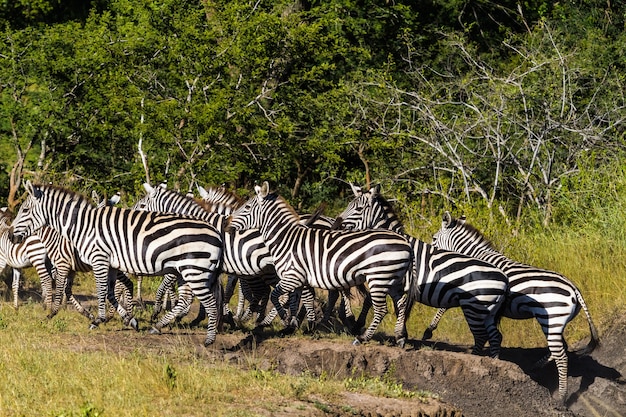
x=467, y=101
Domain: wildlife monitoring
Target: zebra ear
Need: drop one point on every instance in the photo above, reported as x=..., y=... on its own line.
x=202, y=191
x=149, y=189
x=462, y=219
x=33, y=190
x=375, y=191
x=358, y=192
x=264, y=190
x=447, y=219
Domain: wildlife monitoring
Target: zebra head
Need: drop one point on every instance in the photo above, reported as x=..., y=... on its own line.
x=5, y=219
x=369, y=211
x=452, y=234
x=249, y=216
x=150, y=202
x=30, y=217
x=219, y=199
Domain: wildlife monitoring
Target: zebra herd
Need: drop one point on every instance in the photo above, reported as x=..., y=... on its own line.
x=276, y=254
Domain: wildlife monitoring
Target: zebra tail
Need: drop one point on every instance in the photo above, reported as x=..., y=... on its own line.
x=595, y=339
x=412, y=282
x=218, y=294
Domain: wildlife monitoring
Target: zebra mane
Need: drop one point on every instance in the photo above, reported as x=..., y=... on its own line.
x=75, y=196
x=276, y=197
x=216, y=195
x=475, y=234
x=389, y=210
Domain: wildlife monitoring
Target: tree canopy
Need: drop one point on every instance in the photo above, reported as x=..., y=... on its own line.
x=464, y=101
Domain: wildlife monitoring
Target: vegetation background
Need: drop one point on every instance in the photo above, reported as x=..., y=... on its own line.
x=512, y=113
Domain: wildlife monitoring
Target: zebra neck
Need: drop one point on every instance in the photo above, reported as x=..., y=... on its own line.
x=70, y=220
x=487, y=253
x=277, y=223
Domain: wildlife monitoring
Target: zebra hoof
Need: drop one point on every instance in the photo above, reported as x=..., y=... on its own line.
x=401, y=342
x=93, y=326
x=356, y=342
x=154, y=330
x=134, y=324
x=209, y=341
x=428, y=333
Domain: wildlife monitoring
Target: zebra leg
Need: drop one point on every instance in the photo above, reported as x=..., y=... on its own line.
x=367, y=305
x=400, y=302
x=229, y=291
x=128, y=319
x=275, y=297
x=71, y=299
x=123, y=294
x=333, y=296
x=477, y=323
x=209, y=293
x=308, y=301
x=16, y=286
x=428, y=333
x=139, y=299
x=494, y=336
x=346, y=315
x=185, y=297
x=242, y=313
x=558, y=354
x=379, y=303
x=166, y=283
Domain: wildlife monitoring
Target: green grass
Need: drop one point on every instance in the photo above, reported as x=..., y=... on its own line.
x=57, y=367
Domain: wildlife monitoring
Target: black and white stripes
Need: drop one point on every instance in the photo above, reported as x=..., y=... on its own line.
x=548, y=296
x=329, y=259
x=138, y=242
x=439, y=278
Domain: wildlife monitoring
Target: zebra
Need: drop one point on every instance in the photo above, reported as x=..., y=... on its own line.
x=245, y=254
x=329, y=259
x=138, y=242
x=257, y=261
x=30, y=252
x=549, y=297
x=66, y=263
x=225, y=202
x=439, y=278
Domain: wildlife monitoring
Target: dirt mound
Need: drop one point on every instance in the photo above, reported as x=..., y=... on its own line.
x=466, y=384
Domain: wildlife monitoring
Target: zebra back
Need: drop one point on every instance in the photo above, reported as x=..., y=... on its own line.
x=163, y=200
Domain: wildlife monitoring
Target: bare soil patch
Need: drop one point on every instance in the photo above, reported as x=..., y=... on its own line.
x=465, y=384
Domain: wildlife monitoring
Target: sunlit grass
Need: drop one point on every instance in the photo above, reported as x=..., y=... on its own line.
x=57, y=367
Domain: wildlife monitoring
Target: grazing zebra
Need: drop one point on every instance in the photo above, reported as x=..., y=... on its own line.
x=439, y=278
x=137, y=242
x=31, y=252
x=327, y=259
x=545, y=295
x=245, y=254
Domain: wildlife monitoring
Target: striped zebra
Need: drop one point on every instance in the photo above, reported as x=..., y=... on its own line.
x=137, y=242
x=30, y=252
x=549, y=297
x=327, y=259
x=245, y=254
x=66, y=263
x=440, y=278
x=225, y=202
